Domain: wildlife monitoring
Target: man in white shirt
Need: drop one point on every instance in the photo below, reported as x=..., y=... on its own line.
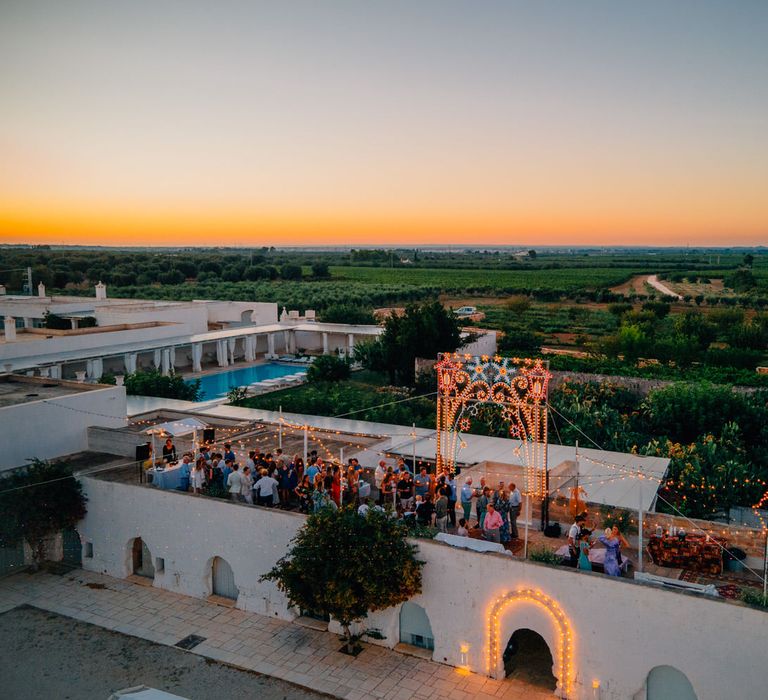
x=573, y=538
x=378, y=477
x=515, y=506
x=235, y=484
x=264, y=488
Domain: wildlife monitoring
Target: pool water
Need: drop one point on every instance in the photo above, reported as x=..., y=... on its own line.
x=214, y=386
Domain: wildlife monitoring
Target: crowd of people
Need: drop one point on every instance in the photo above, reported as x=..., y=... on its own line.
x=581, y=540
x=273, y=479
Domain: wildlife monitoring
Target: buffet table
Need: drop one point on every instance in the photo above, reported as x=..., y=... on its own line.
x=169, y=477
x=694, y=552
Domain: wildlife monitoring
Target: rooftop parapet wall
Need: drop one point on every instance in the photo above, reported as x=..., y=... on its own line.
x=620, y=630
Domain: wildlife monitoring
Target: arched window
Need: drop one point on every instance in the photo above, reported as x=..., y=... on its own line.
x=414, y=626
x=141, y=559
x=667, y=683
x=223, y=579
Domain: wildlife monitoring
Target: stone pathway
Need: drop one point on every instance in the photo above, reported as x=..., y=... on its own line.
x=254, y=642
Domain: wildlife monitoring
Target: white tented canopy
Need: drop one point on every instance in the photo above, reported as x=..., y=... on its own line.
x=177, y=428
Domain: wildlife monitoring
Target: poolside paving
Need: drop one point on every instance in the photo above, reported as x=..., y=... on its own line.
x=289, y=651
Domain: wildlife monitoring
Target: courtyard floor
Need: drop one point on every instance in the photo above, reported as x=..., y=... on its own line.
x=251, y=642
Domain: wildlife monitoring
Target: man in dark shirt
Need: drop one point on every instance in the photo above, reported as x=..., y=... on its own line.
x=405, y=490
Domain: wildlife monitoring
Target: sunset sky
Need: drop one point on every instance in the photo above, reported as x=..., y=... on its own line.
x=361, y=122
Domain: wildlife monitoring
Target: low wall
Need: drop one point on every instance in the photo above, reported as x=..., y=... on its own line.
x=615, y=631
x=46, y=429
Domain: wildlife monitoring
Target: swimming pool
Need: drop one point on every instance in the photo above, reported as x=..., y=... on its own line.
x=214, y=386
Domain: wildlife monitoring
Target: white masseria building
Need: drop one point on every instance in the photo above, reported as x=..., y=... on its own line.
x=133, y=334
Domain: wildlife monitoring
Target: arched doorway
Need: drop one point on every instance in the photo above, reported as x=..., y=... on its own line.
x=534, y=609
x=141, y=559
x=72, y=548
x=667, y=683
x=223, y=579
x=414, y=626
x=528, y=658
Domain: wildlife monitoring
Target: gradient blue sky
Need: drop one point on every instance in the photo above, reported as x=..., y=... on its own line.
x=364, y=122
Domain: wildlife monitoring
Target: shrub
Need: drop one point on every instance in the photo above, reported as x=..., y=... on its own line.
x=154, y=383
x=545, y=556
x=328, y=368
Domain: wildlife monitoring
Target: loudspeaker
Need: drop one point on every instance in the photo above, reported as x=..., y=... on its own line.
x=553, y=530
x=142, y=452
x=209, y=435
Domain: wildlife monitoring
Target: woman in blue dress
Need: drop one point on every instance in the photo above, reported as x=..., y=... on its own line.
x=613, y=539
x=584, y=563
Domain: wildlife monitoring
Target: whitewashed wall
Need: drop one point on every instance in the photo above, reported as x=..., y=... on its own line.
x=621, y=630
x=484, y=345
x=47, y=429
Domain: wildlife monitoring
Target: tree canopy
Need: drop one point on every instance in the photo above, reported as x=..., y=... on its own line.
x=33, y=508
x=346, y=565
x=422, y=331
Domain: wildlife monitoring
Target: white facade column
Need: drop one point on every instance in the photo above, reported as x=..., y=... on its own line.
x=325, y=343
x=9, y=324
x=56, y=372
x=165, y=362
x=231, y=349
x=27, y=323
x=271, y=345
x=197, y=356
x=250, y=348
x=73, y=323
x=94, y=368
x=350, y=344
x=292, y=337
x=221, y=353
x=157, y=358
x=172, y=357
x=287, y=341
x=129, y=362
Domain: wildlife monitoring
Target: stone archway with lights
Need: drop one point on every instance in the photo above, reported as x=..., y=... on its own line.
x=562, y=648
x=518, y=386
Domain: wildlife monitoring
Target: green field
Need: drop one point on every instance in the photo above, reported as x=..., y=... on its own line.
x=469, y=281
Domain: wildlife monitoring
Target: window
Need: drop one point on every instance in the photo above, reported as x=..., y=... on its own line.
x=89, y=550
x=159, y=565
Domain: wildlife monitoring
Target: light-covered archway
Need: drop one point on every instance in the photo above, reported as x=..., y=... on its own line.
x=667, y=683
x=562, y=649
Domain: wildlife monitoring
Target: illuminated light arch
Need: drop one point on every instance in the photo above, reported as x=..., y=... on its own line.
x=518, y=386
x=564, y=652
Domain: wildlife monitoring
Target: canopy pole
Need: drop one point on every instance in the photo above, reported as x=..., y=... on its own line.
x=280, y=432
x=306, y=440
x=640, y=527
x=765, y=567
x=527, y=521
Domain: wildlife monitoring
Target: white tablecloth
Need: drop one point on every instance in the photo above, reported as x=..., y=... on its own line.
x=168, y=478
x=470, y=543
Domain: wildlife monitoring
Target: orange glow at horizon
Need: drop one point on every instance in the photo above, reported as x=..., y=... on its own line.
x=113, y=228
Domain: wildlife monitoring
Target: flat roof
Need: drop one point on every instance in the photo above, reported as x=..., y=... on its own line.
x=16, y=389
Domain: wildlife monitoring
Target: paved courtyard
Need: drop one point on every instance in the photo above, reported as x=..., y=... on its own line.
x=46, y=655
x=288, y=651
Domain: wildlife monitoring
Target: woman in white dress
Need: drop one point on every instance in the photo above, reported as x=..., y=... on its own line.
x=247, y=485
x=197, y=477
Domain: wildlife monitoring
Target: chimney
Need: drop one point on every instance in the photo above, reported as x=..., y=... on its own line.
x=41, y=290
x=10, y=328
x=101, y=291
